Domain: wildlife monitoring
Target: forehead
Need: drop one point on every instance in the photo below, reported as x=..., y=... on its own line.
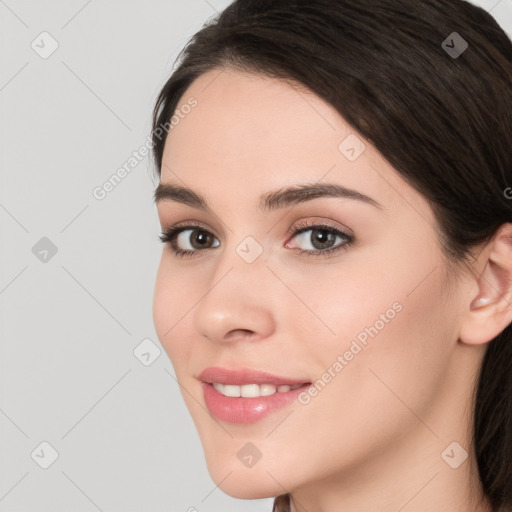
x=250, y=133
x=239, y=113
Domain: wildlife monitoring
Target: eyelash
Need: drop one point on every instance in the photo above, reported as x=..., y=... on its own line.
x=169, y=236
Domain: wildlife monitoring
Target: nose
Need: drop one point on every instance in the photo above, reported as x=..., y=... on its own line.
x=236, y=304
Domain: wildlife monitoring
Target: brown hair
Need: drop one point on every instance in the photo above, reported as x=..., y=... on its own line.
x=444, y=121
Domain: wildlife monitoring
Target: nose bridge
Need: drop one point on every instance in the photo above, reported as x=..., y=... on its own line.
x=237, y=298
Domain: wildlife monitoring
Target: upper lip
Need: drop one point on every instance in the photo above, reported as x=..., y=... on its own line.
x=241, y=376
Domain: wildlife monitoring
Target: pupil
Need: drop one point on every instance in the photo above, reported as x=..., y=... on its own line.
x=201, y=237
x=323, y=237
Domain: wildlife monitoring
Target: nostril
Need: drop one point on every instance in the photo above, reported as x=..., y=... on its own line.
x=240, y=332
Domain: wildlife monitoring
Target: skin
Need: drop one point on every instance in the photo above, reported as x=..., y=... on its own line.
x=372, y=439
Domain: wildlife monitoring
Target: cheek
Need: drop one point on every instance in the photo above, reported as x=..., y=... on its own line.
x=370, y=299
x=394, y=338
x=164, y=300
x=171, y=302
x=393, y=335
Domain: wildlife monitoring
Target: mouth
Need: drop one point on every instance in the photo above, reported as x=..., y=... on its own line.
x=245, y=396
x=246, y=376
x=252, y=390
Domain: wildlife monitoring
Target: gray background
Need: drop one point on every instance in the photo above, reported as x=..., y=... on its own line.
x=70, y=321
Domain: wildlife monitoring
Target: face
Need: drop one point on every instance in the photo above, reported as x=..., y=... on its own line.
x=337, y=297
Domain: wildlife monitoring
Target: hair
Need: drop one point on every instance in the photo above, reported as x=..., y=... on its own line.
x=444, y=122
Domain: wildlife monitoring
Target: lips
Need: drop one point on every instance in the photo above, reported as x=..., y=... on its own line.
x=243, y=376
x=230, y=394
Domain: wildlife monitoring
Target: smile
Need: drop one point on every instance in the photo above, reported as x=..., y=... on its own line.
x=252, y=390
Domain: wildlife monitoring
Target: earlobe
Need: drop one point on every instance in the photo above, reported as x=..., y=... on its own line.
x=490, y=310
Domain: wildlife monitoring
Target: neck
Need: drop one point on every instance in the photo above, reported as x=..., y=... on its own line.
x=411, y=479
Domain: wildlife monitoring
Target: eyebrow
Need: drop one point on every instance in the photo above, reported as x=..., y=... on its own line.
x=275, y=200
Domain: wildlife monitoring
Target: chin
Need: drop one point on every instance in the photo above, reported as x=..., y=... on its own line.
x=247, y=488
x=245, y=483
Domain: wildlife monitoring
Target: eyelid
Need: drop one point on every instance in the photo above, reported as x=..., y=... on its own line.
x=324, y=222
x=190, y=224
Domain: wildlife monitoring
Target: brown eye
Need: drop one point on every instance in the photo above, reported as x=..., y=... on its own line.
x=197, y=238
x=187, y=240
x=193, y=239
x=320, y=239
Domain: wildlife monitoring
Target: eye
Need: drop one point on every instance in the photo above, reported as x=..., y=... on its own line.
x=176, y=236
x=190, y=240
x=320, y=239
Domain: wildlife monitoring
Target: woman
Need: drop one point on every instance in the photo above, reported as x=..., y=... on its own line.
x=335, y=289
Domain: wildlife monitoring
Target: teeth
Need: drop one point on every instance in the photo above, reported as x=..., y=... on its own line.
x=252, y=390
x=230, y=390
x=267, y=389
x=219, y=387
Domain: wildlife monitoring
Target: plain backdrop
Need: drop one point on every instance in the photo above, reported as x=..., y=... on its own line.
x=91, y=418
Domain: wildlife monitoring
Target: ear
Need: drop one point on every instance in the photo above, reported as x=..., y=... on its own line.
x=489, y=311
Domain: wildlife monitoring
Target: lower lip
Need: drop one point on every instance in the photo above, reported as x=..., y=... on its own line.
x=246, y=410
